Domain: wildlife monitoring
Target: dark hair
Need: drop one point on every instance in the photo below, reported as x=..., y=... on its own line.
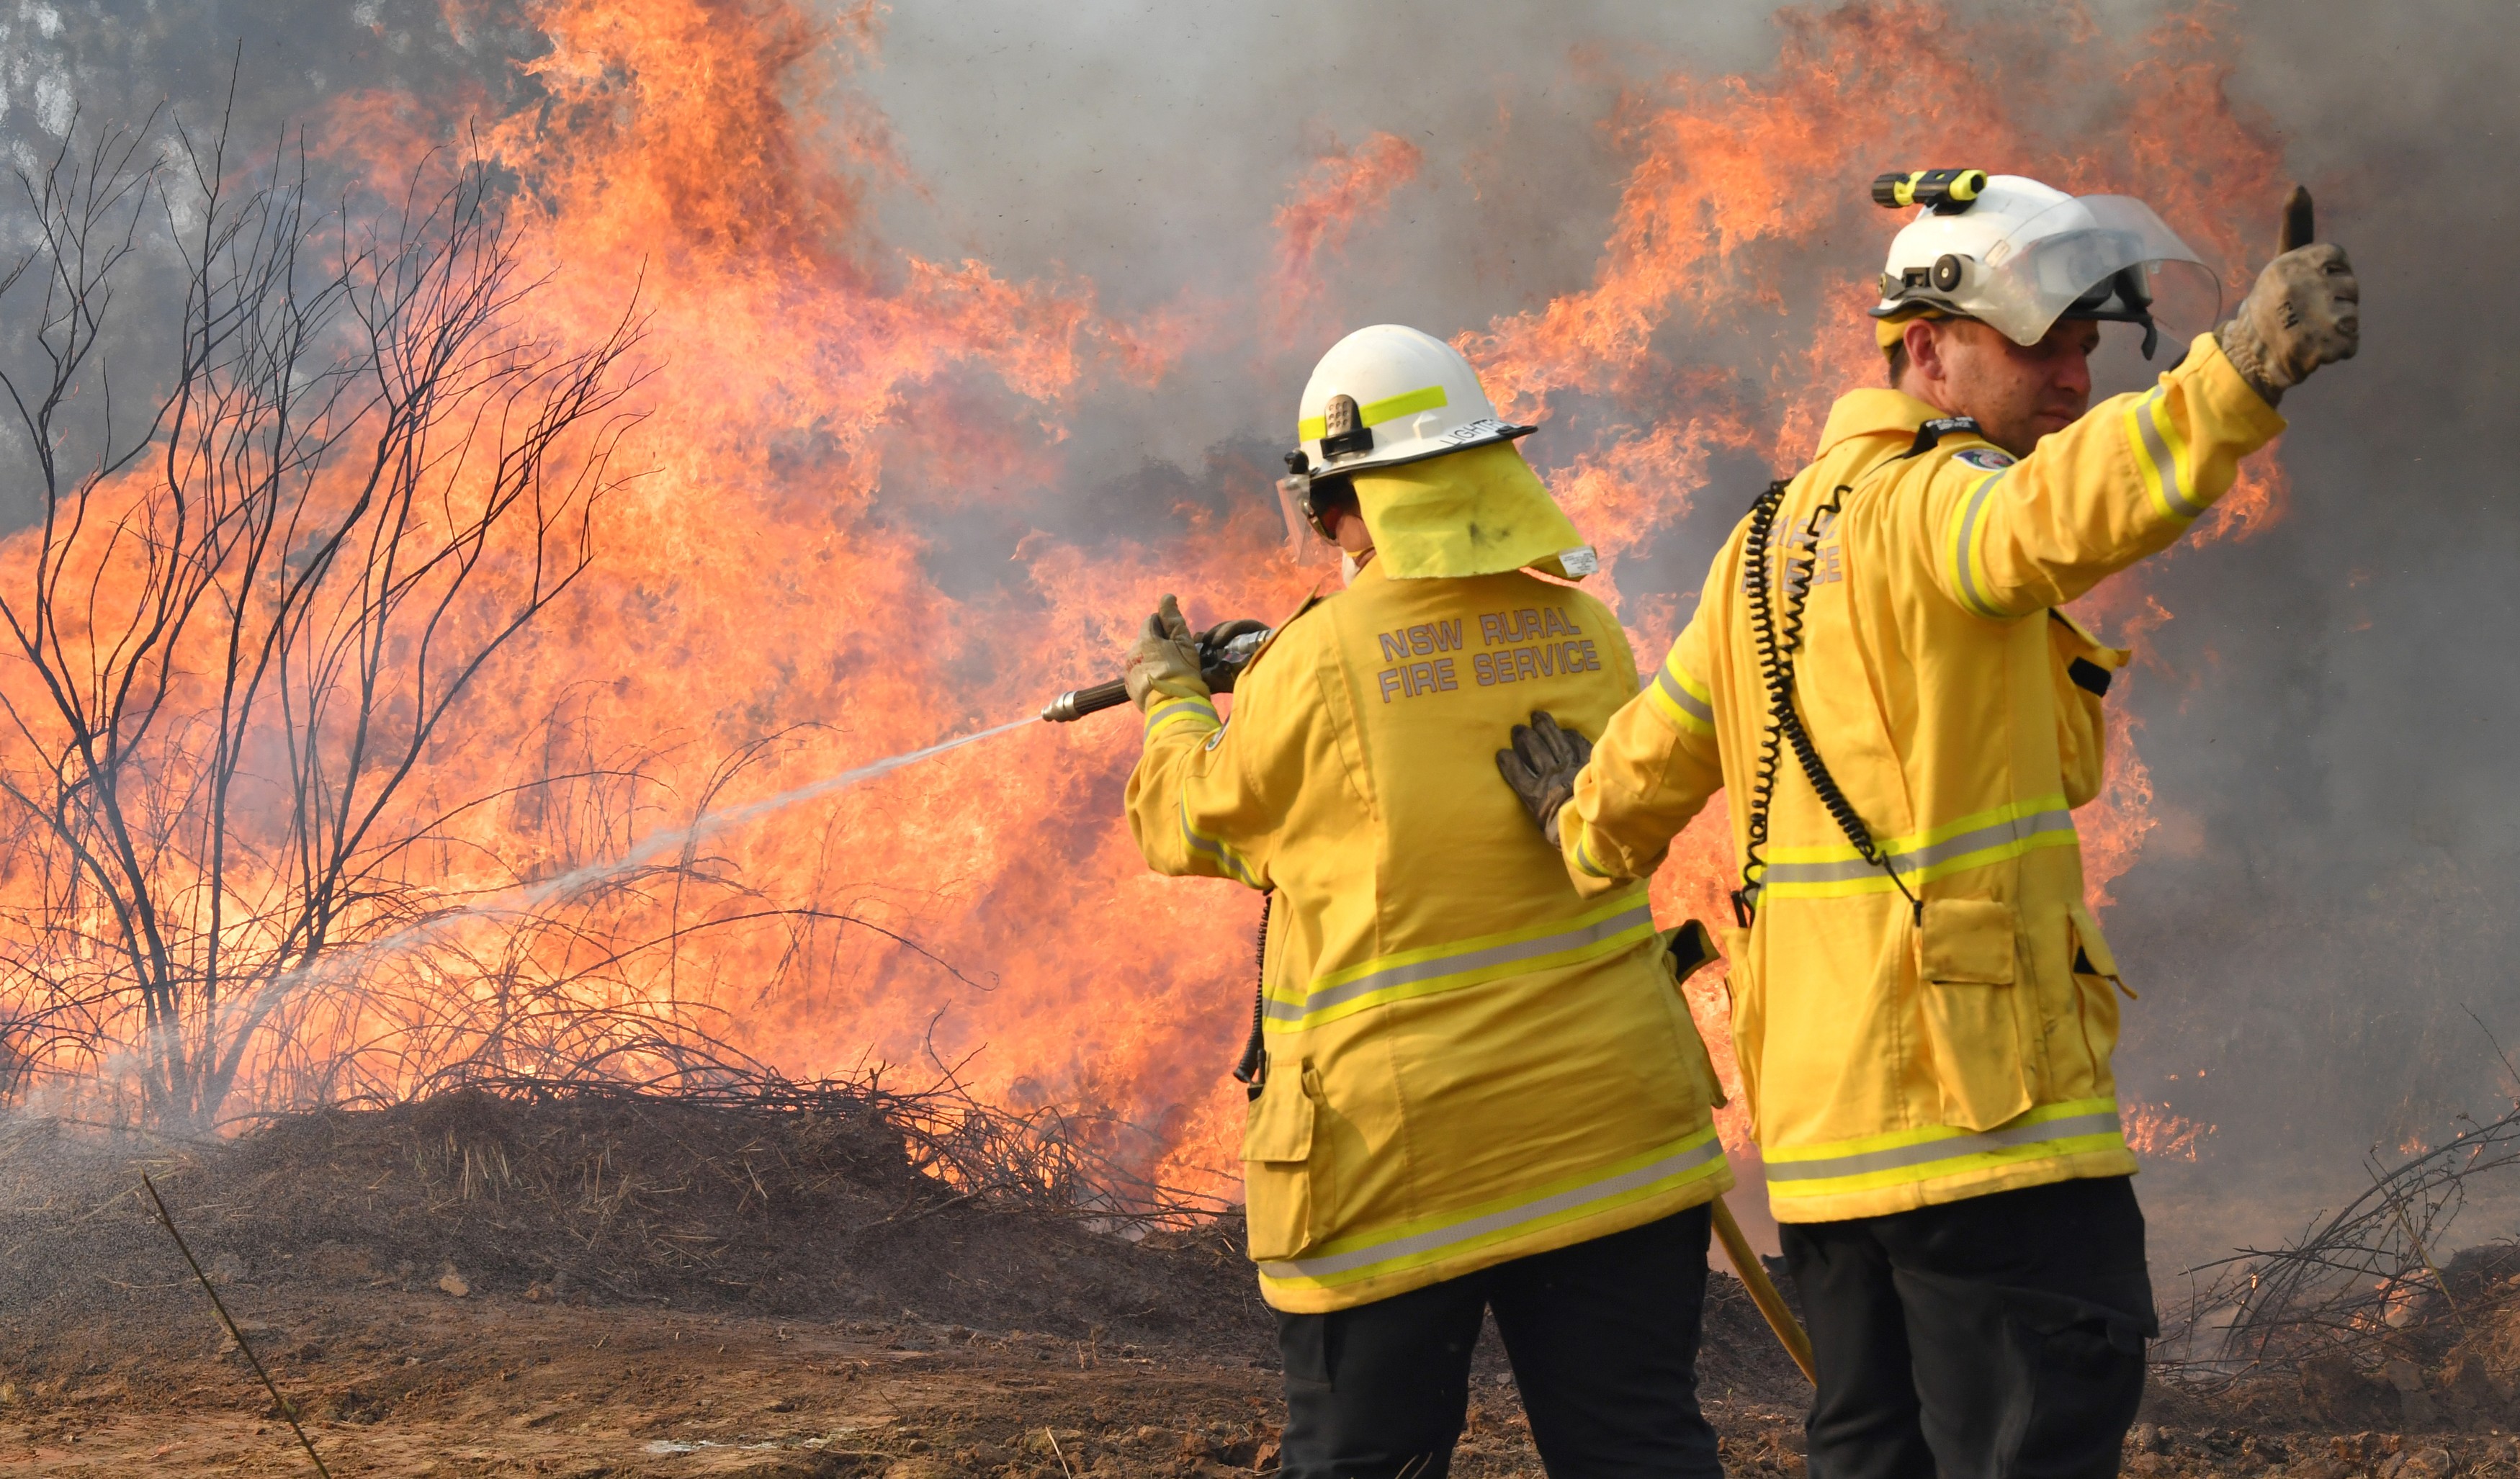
x=1898, y=361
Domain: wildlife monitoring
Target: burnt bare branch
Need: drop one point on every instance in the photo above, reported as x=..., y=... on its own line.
x=244, y=619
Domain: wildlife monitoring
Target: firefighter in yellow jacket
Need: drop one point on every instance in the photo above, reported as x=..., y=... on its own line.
x=1879, y=674
x=1480, y=1088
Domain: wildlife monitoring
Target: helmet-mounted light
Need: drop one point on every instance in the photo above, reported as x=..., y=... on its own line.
x=1945, y=192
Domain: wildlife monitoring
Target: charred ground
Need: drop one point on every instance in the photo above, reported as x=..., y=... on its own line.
x=599, y=1282
x=622, y=1284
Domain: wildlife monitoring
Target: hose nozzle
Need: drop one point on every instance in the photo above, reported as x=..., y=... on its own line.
x=1218, y=661
x=1076, y=704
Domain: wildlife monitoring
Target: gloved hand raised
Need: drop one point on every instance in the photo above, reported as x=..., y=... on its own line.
x=1540, y=768
x=1165, y=659
x=1218, y=668
x=2304, y=312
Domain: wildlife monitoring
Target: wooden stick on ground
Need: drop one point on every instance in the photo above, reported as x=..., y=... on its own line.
x=1763, y=1291
x=286, y=1411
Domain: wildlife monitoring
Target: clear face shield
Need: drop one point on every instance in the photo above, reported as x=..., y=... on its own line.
x=2104, y=257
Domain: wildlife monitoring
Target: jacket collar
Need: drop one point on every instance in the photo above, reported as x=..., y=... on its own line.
x=1872, y=412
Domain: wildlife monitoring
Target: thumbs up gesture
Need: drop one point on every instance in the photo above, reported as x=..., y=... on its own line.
x=2302, y=312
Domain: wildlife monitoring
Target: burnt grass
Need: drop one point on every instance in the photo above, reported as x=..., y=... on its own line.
x=623, y=1202
x=629, y=1284
x=648, y=1265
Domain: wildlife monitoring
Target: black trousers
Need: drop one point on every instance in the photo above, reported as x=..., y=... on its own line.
x=1603, y=1340
x=2000, y=1335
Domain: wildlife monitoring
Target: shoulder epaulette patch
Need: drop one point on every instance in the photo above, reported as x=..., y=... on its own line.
x=1991, y=459
x=1933, y=432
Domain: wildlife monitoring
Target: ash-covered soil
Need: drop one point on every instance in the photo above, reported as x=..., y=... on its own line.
x=632, y=1286
x=477, y=1285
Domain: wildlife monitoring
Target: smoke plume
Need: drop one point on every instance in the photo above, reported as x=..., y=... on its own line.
x=978, y=327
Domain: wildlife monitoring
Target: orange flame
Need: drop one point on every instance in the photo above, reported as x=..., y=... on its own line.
x=762, y=612
x=1342, y=188
x=2155, y=1134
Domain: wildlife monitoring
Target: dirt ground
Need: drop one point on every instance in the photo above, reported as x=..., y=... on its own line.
x=473, y=1287
x=478, y=1288
x=428, y=1384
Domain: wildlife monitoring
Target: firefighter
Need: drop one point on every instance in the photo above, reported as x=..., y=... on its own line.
x=1478, y=1089
x=1922, y=1008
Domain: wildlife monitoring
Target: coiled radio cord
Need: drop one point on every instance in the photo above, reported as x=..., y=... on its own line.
x=1252, y=1071
x=1785, y=723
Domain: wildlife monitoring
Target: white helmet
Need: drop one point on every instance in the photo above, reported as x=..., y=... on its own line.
x=1388, y=395
x=2020, y=255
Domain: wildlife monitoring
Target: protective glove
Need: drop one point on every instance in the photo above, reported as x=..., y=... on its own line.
x=1541, y=767
x=1165, y=659
x=1219, y=668
x=2304, y=312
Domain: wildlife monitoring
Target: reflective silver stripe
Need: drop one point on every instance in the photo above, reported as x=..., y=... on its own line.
x=1688, y=703
x=1585, y=859
x=1898, y=1156
x=2159, y=451
x=1167, y=710
x=1322, y=999
x=1496, y=1222
x=1965, y=552
x=1226, y=857
x=2018, y=828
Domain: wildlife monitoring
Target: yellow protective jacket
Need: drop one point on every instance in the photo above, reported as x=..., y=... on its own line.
x=1893, y=1057
x=1468, y=1061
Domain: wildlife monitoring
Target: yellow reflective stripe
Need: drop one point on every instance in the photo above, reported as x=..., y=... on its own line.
x=1873, y=880
x=1971, y=841
x=2160, y=456
x=1375, y=413
x=1969, y=580
x=1168, y=709
x=1393, y=407
x=1941, y=831
x=1607, y=929
x=1433, y=1239
x=1584, y=858
x=1230, y=862
x=1905, y=1157
x=1682, y=700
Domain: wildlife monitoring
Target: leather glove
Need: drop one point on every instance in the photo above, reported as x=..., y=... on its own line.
x=1541, y=767
x=1165, y=659
x=1218, y=668
x=2304, y=312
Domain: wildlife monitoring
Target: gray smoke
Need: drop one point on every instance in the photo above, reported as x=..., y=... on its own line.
x=2325, y=914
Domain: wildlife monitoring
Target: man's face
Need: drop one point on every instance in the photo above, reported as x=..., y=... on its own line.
x=2017, y=395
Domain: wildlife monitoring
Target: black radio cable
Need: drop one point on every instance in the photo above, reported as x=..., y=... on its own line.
x=1785, y=723
x=1254, y=1071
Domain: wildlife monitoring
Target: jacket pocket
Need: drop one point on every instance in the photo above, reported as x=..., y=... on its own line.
x=1749, y=1016
x=2081, y=670
x=1965, y=959
x=1276, y=1156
